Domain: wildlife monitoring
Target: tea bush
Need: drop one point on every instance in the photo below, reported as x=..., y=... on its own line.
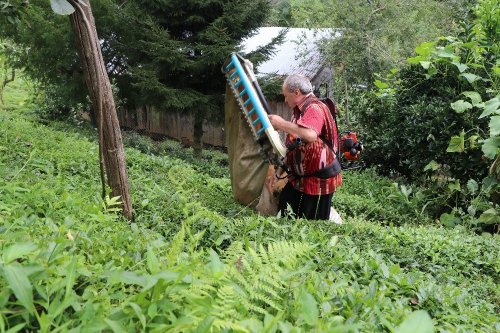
x=194, y=260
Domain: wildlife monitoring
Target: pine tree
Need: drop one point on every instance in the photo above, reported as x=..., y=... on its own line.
x=166, y=54
x=175, y=58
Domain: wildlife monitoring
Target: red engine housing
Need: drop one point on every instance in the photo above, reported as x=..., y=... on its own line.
x=350, y=146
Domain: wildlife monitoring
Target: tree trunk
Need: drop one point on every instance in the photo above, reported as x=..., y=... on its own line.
x=197, y=135
x=111, y=154
x=6, y=81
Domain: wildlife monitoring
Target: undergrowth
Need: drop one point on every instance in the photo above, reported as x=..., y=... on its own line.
x=195, y=260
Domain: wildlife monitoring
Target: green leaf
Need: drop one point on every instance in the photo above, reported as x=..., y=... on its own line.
x=18, y=250
x=71, y=277
x=490, y=147
x=490, y=107
x=115, y=326
x=455, y=186
x=457, y=144
x=152, y=261
x=445, y=53
x=474, y=97
x=472, y=186
x=461, y=67
x=495, y=126
x=16, y=328
x=334, y=240
x=473, y=141
x=425, y=64
x=490, y=216
x=127, y=277
x=418, y=322
x=138, y=311
x=425, y=49
x=471, y=78
x=61, y=7
x=460, y=106
x=215, y=266
x=415, y=60
x=20, y=285
x=432, y=165
x=431, y=71
x=380, y=84
x=308, y=308
x=205, y=325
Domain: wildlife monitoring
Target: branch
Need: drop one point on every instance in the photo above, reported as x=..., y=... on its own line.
x=373, y=13
x=6, y=80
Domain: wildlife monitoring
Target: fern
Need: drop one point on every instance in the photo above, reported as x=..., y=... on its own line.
x=242, y=283
x=258, y=277
x=176, y=247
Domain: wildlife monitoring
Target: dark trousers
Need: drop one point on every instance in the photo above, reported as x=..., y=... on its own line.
x=311, y=207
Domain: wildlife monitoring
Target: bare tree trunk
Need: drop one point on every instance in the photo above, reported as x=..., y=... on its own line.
x=111, y=154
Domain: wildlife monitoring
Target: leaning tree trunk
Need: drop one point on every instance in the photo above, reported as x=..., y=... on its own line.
x=111, y=153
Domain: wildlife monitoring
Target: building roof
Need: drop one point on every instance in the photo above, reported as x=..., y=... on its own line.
x=298, y=54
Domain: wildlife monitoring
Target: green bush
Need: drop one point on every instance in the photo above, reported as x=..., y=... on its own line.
x=364, y=194
x=414, y=127
x=196, y=259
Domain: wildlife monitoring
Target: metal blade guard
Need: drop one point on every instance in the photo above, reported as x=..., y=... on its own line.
x=252, y=102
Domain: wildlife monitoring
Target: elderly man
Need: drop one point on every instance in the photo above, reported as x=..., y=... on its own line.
x=311, y=159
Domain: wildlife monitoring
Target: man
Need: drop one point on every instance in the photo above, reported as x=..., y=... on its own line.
x=313, y=168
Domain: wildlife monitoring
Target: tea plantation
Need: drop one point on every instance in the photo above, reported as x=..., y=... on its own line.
x=194, y=260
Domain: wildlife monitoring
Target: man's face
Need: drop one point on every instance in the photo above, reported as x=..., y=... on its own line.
x=291, y=97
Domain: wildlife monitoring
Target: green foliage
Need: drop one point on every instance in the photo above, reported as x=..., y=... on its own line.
x=167, y=54
x=15, y=94
x=372, y=36
x=435, y=121
x=364, y=194
x=191, y=262
x=212, y=162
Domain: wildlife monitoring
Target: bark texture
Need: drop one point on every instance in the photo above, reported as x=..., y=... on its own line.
x=111, y=153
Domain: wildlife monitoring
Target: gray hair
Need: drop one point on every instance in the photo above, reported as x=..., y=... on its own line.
x=300, y=82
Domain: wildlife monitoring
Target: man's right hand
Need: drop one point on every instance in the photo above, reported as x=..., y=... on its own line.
x=270, y=182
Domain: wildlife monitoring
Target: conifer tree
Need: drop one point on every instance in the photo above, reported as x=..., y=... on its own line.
x=166, y=54
x=175, y=58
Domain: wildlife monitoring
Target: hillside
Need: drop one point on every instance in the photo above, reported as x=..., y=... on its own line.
x=195, y=260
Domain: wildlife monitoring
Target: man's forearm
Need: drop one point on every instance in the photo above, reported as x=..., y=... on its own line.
x=306, y=134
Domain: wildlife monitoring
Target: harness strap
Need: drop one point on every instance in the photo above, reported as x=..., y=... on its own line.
x=333, y=168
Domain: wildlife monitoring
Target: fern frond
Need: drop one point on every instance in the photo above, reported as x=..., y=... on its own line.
x=226, y=303
x=273, y=279
x=222, y=325
x=266, y=300
x=263, y=254
x=252, y=307
x=234, y=251
x=176, y=247
x=287, y=253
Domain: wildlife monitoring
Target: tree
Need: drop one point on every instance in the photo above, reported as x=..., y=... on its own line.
x=177, y=48
x=46, y=41
x=164, y=54
x=7, y=72
x=372, y=37
x=111, y=154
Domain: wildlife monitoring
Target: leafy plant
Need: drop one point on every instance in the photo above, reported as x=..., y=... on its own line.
x=196, y=260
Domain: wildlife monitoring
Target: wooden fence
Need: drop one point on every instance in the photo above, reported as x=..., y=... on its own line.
x=179, y=126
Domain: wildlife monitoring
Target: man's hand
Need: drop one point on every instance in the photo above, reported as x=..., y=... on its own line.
x=276, y=121
x=270, y=182
x=306, y=134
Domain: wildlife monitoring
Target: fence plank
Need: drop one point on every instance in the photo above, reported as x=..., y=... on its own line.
x=180, y=126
